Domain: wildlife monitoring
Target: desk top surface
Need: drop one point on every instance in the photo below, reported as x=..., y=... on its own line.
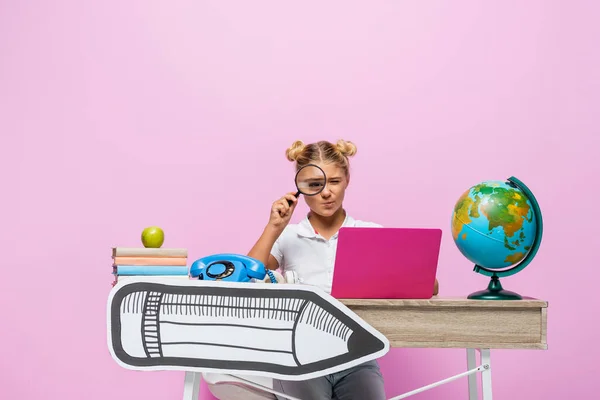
x=437, y=301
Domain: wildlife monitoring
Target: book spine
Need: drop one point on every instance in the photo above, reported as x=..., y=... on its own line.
x=172, y=261
x=150, y=270
x=121, y=277
x=148, y=252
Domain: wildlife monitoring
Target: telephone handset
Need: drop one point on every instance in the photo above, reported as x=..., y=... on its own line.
x=230, y=267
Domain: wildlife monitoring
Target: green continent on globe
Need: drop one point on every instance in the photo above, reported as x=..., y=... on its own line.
x=461, y=213
x=503, y=207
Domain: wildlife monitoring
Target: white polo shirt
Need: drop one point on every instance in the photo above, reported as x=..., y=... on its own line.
x=302, y=250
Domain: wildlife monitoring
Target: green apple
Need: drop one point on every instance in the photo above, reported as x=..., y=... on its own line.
x=153, y=237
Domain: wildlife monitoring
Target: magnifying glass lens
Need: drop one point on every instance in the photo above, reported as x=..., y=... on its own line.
x=310, y=180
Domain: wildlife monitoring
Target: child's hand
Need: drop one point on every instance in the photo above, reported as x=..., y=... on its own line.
x=281, y=211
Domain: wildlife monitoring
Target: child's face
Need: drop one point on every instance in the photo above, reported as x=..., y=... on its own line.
x=331, y=198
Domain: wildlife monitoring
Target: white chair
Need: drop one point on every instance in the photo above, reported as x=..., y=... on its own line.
x=228, y=387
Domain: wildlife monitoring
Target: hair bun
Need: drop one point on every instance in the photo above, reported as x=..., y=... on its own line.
x=348, y=149
x=295, y=150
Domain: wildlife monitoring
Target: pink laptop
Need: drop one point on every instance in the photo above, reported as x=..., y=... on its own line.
x=386, y=263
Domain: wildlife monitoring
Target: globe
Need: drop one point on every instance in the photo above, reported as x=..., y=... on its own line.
x=497, y=225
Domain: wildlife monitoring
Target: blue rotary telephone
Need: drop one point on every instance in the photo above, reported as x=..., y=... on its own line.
x=230, y=267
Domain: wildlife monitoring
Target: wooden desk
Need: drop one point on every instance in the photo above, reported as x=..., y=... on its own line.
x=479, y=325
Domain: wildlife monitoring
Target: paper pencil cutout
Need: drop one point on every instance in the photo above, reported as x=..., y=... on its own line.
x=283, y=331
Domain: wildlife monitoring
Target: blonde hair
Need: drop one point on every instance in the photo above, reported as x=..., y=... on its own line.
x=322, y=151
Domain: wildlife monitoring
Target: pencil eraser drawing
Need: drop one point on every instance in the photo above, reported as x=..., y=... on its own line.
x=282, y=331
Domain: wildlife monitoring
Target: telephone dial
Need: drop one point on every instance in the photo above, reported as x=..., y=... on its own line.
x=230, y=267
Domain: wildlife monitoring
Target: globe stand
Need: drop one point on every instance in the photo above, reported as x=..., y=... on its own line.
x=495, y=291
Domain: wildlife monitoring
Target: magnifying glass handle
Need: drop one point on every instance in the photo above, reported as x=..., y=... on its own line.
x=290, y=202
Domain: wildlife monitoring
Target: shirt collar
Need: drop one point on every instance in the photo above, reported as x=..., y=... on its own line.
x=306, y=229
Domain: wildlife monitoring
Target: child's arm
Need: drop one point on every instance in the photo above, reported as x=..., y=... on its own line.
x=262, y=249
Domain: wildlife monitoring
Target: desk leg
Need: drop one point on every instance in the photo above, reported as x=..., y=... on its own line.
x=486, y=375
x=471, y=363
x=191, y=385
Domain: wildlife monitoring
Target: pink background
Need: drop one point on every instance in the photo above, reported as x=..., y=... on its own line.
x=116, y=115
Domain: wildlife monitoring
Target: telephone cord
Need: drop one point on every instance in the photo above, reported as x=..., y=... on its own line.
x=271, y=276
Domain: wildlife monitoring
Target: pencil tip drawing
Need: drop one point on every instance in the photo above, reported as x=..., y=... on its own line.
x=283, y=331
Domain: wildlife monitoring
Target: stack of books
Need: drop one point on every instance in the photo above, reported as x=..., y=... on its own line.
x=142, y=261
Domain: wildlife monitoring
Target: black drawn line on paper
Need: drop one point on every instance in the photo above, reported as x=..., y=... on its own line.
x=150, y=325
x=228, y=345
x=294, y=350
x=218, y=324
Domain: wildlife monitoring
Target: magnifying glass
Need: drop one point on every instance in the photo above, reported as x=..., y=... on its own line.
x=310, y=181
